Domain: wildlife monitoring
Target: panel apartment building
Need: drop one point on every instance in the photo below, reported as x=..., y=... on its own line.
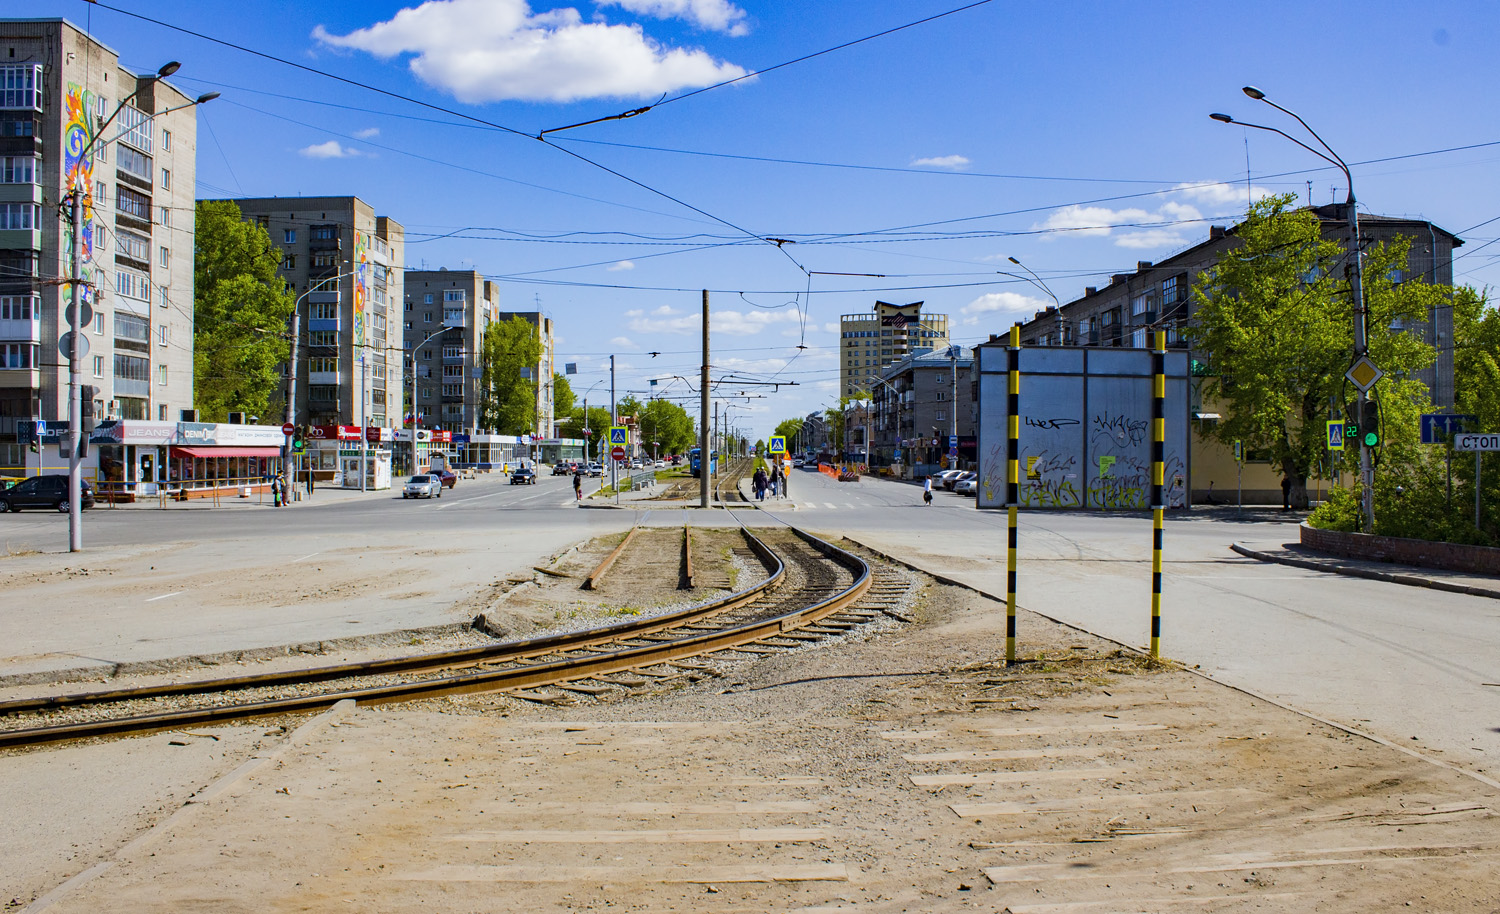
x=869, y=342
x=58, y=86
x=446, y=314
x=345, y=265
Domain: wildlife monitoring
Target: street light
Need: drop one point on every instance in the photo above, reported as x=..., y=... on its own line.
x=1356, y=278
x=75, y=280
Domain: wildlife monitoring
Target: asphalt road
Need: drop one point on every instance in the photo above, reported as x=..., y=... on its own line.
x=1407, y=664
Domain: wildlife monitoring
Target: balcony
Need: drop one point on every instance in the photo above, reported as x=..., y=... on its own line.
x=18, y=331
x=323, y=377
x=127, y=387
x=453, y=319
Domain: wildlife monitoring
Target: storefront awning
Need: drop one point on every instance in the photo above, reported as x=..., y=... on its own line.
x=226, y=452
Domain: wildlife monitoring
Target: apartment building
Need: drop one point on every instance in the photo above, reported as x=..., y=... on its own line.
x=1157, y=295
x=444, y=319
x=918, y=404
x=58, y=88
x=344, y=263
x=889, y=333
x=546, y=366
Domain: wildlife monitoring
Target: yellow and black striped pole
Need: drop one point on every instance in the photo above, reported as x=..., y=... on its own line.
x=1012, y=487
x=1158, y=470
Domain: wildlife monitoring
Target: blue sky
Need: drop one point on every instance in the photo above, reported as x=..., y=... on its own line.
x=1074, y=137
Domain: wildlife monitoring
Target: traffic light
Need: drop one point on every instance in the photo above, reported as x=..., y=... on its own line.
x=87, y=393
x=299, y=439
x=1369, y=424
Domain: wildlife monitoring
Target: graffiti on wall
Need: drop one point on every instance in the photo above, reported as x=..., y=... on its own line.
x=78, y=171
x=361, y=284
x=1122, y=430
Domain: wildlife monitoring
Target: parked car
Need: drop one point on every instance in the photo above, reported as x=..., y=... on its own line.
x=523, y=476
x=562, y=469
x=596, y=469
x=8, y=481
x=423, y=485
x=43, y=492
x=969, y=486
x=948, y=478
x=448, y=478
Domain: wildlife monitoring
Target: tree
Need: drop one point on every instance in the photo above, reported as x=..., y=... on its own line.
x=847, y=409
x=563, y=399
x=788, y=429
x=597, y=422
x=667, y=424
x=1274, y=320
x=508, y=400
x=240, y=313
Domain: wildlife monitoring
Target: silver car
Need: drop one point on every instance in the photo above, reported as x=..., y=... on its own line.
x=423, y=485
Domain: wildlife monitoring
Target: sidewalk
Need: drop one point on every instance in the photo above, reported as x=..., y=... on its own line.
x=1298, y=556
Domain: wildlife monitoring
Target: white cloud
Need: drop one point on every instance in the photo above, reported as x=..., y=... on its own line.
x=953, y=162
x=493, y=50
x=1090, y=221
x=716, y=15
x=1101, y=221
x=624, y=342
x=731, y=323
x=665, y=310
x=329, y=150
x=368, y=133
x=1002, y=308
x=619, y=265
x=1150, y=238
x=1218, y=193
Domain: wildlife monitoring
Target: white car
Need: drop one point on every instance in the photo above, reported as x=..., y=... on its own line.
x=423, y=485
x=595, y=469
x=968, y=486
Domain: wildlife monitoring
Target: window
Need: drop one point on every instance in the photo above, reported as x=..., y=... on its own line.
x=99, y=324
x=426, y=355
x=101, y=237
x=426, y=317
x=20, y=307
x=453, y=316
x=165, y=217
x=18, y=355
x=133, y=285
x=324, y=311
x=166, y=179
x=323, y=363
x=451, y=372
x=324, y=232
x=132, y=368
x=20, y=216
x=427, y=299
x=98, y=366
x=132, y=203
x=453, y=390
x=325, y=259
x=14, y=126
x=940, y=415
x=408, y=306
x=453, y=352
x=134, y=163
x=409, y=325
x=161, y=408
x=1169, y=290
x=101, y=196
x=288, y=260
x=323, y=338
x=289, y=236
x=134, y=246
x=1138, y=338
x=457, y=295
x=19, y=169
x=1139, y=304
x=101, y=153
x=161, y=335
x=166, y=146
x=135, y=128
x=164, y=256
x=133, y=328
x=323, y=392
x=21, y=86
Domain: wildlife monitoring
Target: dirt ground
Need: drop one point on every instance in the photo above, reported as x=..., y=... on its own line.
x=889, y=771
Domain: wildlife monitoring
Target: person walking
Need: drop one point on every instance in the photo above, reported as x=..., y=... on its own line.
x=927, y=491
x=758, y=482
x=775, y=481
x=577, y=484
x=1286, y=493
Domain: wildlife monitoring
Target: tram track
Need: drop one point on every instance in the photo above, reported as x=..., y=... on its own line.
x=807, y=594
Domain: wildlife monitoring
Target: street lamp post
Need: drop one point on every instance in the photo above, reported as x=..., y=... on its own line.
x=1356, y=280
x=75, y=280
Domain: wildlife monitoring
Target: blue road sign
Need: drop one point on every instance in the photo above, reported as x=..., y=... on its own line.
x=778, y=444
x=1336, y=435
x=952, y=442
x=619, y=434
x=1437, y=428
x=896, y=454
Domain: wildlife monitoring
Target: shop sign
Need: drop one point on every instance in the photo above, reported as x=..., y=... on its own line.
x=130, y=431
x=197, y=433
x=377, y=435
x=442, y=437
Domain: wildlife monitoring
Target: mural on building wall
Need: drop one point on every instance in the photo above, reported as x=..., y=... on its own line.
x=78, y=171
x=361, y=284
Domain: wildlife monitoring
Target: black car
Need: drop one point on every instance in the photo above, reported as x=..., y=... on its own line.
x=43, y=492
x=523, y=476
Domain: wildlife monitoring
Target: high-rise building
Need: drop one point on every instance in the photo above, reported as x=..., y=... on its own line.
x=888, y=334
x=542, y=375
x=58, y=87
x=345, y=265
x=446, y=314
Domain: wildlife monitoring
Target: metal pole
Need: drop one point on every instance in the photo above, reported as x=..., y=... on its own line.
x=1477, y=489
x=953, y=406
x=291, y=401
x=703, y=429
x=614, y=420
x=75, y=411
x=1361, y=348
x=1158, y=469
x=364, y=357
x=1012, y=487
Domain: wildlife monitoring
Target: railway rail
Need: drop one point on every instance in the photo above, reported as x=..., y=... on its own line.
x=809, y=593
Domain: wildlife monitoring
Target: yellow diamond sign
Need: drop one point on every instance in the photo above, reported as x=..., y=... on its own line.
x=1363, y=374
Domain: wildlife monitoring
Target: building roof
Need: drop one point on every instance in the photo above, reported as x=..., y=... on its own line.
x=928, y=358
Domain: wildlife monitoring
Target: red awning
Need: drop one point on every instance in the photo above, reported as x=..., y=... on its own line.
x=226, y=452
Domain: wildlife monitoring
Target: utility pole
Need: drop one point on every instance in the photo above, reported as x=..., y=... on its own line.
x=953, y=407
x=703, y=440
x=1361, y=349
x=614, y=420
x=75, y=411
x=291, y=403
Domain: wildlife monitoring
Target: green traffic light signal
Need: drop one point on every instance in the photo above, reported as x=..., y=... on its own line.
x=1371, y=439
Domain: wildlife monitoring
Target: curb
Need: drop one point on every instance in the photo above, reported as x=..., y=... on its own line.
x=1352, y=571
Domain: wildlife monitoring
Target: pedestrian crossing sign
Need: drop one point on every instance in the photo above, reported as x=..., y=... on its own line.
x=1336, y=435
x=619, y=434
x=778, y=444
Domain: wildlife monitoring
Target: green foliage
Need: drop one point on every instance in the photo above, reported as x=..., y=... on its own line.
x=666, y=423
x=240, y=313
x=597, y=423
x=507, y=400
x=563, y=398
x=1274, y=319
x=788, y=428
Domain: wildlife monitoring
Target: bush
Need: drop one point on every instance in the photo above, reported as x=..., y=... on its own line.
x=1412, y=501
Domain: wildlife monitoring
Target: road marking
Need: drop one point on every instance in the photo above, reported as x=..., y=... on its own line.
x=730, y=808
x=831, y=872
x=165, y=595
x=464, y=501
x=304, y=558
x=1013, y=777
x=830, y=505
x=650, y=836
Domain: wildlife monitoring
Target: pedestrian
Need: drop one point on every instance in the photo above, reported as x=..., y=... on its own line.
x=775, y=480
x=310, y=485
x=577, y=484
x=927, y=491
x=1286, y=493
x=758, y=481
x=278, y=492
x=1210, y=498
